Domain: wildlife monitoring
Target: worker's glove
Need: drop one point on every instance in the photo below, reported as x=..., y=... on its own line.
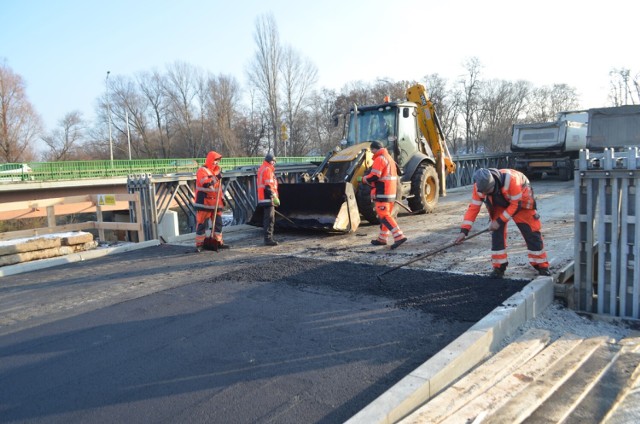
x=460, y=238
x=359, y=179
x=276, y=201
x=494, y=225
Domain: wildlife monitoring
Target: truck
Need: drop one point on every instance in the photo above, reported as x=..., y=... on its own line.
x=332, y=198
x=553, y=147
x=550, y=147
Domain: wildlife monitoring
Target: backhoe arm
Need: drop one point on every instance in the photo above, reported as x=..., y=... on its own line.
x=430, y=126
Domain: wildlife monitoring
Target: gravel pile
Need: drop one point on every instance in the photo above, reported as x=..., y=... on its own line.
x=559, y=320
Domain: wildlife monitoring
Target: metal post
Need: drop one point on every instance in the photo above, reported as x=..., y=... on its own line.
x=109, y=117
x=128, y=133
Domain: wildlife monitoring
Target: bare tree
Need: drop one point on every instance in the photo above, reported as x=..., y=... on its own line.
x=19, y=123
x=325, y=131
x=183, y=85
x=264, y=71
x=546, y=102
x=64, y=142
x=502, y=102
x=252, y=127
x=223, y=93
x=299, y=76
x=157, y=135
x=470, y=110
x=447, y=106
x=625, y=90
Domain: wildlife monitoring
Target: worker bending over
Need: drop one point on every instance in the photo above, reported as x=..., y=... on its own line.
x=507, y=194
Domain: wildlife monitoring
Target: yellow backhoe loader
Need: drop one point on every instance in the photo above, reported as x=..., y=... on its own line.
x=332, y=198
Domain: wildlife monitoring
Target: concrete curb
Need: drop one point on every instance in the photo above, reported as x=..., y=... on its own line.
x=460, y=356
x=74, y=257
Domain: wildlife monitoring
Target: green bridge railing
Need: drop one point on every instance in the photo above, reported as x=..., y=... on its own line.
x=52, y=171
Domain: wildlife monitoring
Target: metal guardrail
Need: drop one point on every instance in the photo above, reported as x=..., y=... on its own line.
x=607, y=233
x=68, y=170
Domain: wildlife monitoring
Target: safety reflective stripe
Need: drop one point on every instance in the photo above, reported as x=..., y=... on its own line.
x=537, y=260
x=468, y=223
x=386, y=196
x=507, y=180
x=376, y=171
x=476, y=202
x=506, y=216
x=388, y=178
x=200, y=205
x=499, y=261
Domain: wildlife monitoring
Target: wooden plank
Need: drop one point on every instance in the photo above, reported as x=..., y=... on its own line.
x=519, y=407
x=612, y=386
x=561, y=404
x=482, y=378
x=48, y=230
x=501, y=392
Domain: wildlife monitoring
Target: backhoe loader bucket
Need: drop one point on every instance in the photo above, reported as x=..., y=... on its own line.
x=329, y=207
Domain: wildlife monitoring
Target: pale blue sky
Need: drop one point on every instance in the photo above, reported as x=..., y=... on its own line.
x=64, y=48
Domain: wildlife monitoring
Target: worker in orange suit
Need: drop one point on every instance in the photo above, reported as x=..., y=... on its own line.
x=507, y=194
x=268, y=198
x=383, y=178
x=209, y=200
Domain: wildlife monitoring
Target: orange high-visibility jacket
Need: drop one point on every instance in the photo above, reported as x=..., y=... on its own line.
x=383, y=177
x=209, y=183
x=267, y=184
x=512, y=193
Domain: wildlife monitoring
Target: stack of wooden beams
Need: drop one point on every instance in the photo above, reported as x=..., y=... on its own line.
x=46, y=246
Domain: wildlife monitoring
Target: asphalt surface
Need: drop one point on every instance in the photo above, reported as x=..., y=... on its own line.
x=166, y=335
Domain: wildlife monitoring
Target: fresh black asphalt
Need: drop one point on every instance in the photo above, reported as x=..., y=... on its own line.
x=267, y=339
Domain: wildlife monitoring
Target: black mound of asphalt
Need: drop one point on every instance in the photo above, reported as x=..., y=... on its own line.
x=456, y=297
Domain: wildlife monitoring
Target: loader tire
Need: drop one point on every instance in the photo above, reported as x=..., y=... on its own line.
x=424, y=189
x=367, y=207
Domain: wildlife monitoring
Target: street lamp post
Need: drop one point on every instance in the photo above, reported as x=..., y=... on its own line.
x=109, y=117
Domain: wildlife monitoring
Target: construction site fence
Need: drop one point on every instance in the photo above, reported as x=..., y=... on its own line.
x=607, y=233
x=160, y=193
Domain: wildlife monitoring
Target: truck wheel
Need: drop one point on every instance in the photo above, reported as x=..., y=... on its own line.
x=424, y=189
x=565, y=173
x=367, y=207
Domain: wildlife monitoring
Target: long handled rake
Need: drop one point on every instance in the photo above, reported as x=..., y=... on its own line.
x=426, y=255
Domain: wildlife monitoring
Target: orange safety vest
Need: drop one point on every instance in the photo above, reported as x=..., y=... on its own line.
x=514, y=193
x=383, y=177
x=266, y=178
x=208, y=184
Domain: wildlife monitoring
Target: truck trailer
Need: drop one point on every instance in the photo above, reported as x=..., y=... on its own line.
x=552, y=147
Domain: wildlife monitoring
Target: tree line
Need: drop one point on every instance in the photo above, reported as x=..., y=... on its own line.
x=184, y=111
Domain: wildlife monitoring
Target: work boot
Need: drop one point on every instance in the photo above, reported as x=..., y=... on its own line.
x=497, y=273
x=378, y=242
x=223, y=246
x=544, y=271
x=270, y=242
x=398, y=243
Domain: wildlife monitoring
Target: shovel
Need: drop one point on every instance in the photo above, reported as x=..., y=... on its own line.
x=426, y=255
x=210, y=243
x=286, y=218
